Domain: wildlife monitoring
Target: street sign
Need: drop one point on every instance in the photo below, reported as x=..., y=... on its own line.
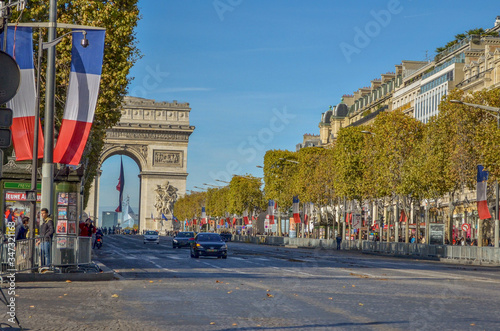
x=10, y=78
x=465, y=227
x=5, y=117
x=5, y=138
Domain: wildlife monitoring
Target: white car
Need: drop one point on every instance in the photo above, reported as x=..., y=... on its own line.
x=151, y=237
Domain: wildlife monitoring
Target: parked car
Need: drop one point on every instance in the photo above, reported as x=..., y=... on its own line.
x=208, y=244
x=182, y=239
x=151, y=237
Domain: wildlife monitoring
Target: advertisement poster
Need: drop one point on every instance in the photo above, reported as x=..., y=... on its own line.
x=72, y=213
x=62, y=242
x=62, y=213
x=71, y=227
x=72, y=199
x=436, y=234
x=62, y=227
x=62, y=199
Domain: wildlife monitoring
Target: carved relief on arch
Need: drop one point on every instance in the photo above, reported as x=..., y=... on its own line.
x=138, y=153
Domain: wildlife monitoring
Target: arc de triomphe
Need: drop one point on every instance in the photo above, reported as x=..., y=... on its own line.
x=155, y=135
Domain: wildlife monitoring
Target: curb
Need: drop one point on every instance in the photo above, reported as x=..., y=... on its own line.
x=107, y=274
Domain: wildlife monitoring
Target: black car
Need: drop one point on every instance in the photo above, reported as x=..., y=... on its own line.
x=182, y=239
x=208, y=244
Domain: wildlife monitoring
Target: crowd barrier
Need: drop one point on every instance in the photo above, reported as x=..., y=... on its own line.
x=65, y=251
x=462, y=254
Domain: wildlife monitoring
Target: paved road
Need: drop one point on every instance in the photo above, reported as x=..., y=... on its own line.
x=264, y=288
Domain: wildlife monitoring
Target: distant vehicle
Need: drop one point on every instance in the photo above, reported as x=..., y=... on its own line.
x=127, y=231
x=182, y=239
x=151, y=237
x=226, y=236
x=208, y=244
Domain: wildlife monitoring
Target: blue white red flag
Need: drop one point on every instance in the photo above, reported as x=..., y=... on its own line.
x=83, y=92
x=23, y=105
x=203, y=216
x=481, y=199
x=270, y=211
x=295, y=207
x=119, y=187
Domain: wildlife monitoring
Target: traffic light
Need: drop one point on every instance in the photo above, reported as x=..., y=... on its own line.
x=5, y=123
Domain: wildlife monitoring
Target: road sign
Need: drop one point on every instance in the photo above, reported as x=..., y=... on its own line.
x=5, y=138
x=10, y=77
x=5, y=117
x=465, y=227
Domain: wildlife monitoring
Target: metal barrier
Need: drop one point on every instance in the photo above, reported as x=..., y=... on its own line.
x=65, y=251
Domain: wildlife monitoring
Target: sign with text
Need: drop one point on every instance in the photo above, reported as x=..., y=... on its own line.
x=436, y=234
x=20, y=196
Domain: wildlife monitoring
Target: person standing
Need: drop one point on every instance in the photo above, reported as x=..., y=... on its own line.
x=46, y=233
x=339, y=241
x=22, y=229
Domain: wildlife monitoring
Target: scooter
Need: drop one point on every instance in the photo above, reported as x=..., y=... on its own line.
x=98, y=241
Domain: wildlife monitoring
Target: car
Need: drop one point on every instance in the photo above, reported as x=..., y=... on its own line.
x=151, y=237
x=208, y=244
x=182, y=239
x=226, y=236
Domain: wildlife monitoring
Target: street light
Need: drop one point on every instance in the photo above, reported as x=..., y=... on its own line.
x=212, y=185
x=497, y=111
x=222, y=181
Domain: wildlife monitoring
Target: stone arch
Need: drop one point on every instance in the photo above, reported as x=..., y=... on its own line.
x=156, y=136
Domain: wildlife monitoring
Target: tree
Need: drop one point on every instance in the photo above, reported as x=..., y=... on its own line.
x=245, y=194
x=119, y=18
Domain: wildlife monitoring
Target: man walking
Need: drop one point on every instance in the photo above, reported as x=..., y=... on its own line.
x=339, y=241
x=46, y=232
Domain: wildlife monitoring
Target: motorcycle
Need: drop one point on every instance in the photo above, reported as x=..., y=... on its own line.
x=98, y=241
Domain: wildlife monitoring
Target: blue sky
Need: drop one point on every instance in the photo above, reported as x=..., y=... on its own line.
x=259, y=73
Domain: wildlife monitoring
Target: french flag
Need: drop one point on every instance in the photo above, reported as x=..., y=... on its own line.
x=295, y=208
x=245, y=217
x=203, y=216
x=270, y=211
x=120, y=186
x=482, y=203
x=83, y=91
x=23, y=105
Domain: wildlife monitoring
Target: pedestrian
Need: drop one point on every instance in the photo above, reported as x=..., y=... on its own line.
x=46, y=233
x=22, y=229
x=339, y=241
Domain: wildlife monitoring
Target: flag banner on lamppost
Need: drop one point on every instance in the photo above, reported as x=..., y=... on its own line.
x=120, y=186
x=270, y=211
x=295, y=207
x=481, y=199
x=245, y=217
x=83, y=91
x=203, y=216
x=23, y=104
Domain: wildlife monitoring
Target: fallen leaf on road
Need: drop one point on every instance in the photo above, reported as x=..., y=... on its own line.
x=229, y=292
x=212, y=323
x=270, y=295
x=360, y=304
x=268, y=290
x=151, y=281
x=218, y=281
x=32, y=306
x=68, y=281
x=60, y=297
x=114, y=296
x=330, y=298
x=472, y=324
x=237, y=288
x=227, y=283
x=65, y=294
x=234, y=324
x=343, y=286
x=354, y=286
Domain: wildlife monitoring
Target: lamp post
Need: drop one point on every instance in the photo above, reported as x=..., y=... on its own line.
x=497, y=116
